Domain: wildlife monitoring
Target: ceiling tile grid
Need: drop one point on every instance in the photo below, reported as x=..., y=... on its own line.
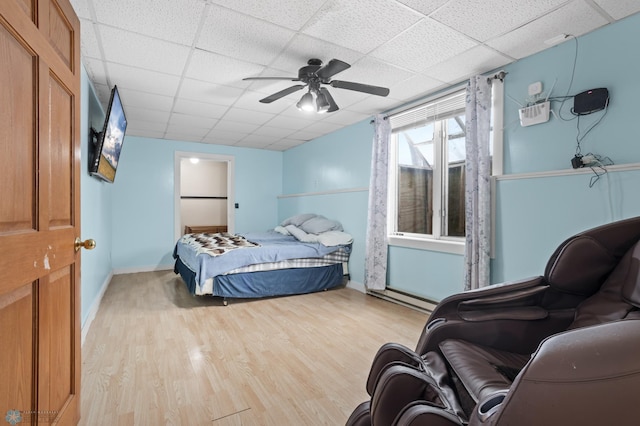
x=180, y=65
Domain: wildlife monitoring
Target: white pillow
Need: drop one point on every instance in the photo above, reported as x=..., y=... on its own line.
x=301, y=235
x=334, y=238
x=281, y=230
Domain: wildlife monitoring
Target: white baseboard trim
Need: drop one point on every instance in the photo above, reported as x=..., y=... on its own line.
x=93, y=310
x=357, y=286
x=136, y=269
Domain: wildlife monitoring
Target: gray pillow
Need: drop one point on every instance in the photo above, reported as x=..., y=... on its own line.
x=298, y=219
x=319, y=224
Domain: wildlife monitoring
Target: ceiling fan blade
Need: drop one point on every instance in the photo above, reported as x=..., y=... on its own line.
x=282, y=93
x=359, y=87
x=332, y=103
x=332, y=68
x=272, y=78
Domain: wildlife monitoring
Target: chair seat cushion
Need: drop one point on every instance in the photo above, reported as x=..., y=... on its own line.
x=482, y=370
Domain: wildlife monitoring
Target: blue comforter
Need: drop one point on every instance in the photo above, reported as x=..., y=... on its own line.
x=274, y=247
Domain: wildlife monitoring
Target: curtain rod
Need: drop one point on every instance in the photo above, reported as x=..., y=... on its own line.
x=498, y=76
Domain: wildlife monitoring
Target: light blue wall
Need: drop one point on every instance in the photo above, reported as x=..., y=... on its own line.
x=143, y=197
x=534, y=214
x=95, y=217
x=606, y=58
x=335, y=162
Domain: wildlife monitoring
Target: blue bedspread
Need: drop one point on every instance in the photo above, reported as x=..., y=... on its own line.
x=274, y=247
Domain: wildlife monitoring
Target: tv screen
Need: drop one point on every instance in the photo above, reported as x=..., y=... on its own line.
x=108, y=143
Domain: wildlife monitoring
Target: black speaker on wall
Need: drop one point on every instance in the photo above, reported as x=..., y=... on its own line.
x=590, y=101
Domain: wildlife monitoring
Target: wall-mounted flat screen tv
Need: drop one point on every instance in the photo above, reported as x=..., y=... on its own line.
x=108, y=142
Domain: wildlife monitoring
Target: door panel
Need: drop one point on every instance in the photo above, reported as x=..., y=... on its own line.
x=56, y=345
x=60, y=152
x=16, y=334
x=18, y=123
x=40, y=210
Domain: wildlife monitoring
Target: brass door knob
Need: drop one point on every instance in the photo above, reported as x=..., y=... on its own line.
x=87, y=244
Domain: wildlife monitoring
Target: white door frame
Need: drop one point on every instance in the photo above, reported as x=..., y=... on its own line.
x=230, y=160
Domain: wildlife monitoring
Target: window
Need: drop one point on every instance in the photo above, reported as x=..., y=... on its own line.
x=427, y=173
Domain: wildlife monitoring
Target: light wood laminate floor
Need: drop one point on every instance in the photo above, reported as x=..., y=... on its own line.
x=156, y=355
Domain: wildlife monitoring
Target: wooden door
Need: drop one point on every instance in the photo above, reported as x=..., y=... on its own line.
x=39, y=212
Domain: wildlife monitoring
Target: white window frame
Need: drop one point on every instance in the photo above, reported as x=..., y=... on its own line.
x=436, y=241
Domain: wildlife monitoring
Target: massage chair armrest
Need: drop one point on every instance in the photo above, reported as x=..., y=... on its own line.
x=517, y=304
x=584, y=376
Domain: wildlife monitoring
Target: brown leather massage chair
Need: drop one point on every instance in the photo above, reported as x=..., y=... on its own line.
x=559, y=349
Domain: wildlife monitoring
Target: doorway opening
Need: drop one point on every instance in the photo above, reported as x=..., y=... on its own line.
x=203, y=188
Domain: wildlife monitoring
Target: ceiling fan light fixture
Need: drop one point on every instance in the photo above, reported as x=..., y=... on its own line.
x=322, y=103
x=306, y=103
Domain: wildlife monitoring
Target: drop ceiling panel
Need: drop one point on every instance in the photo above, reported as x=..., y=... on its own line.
x=175, y=21
x=477, y=60
x=305, y=135
x=619, y=9
x=243, y=37
x=374, y=104
x=143, y=80
x=418, y=85
x=217, y=135
x=287, y=13
x=277, y=132
x=248, y=116
x=346, y=117
x=146, y=114
x=96, y=70
x=176, y=127
x=483, y=20
x=296, y=121
x=186, y=120
x=81, y=8
x=145, y=133
x=182, y=137
x=424, y=6
x=219, y=69
x=139, y=99
x=423, y=45
x=203, y=91
x=142, y=51
x=284, y=144
x=356, y=24
x=186, y=59
x=88, y=40
x=236, y=126
x=576, y=18
x=199, y=109
x=323, y=127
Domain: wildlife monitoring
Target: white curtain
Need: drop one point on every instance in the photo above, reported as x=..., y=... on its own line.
x=375, y=265
x=477, y=185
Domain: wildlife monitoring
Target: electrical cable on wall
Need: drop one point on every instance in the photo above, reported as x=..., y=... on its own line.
x=573, y=73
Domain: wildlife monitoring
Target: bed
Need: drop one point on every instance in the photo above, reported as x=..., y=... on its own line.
x=304, y=254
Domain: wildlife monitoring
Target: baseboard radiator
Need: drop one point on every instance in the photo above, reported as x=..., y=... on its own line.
x=405, y=299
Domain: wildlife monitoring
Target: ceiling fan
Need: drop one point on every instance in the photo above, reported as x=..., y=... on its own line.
x=314, y=75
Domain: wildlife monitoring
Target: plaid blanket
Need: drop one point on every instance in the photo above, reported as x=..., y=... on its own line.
x=216, y=244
